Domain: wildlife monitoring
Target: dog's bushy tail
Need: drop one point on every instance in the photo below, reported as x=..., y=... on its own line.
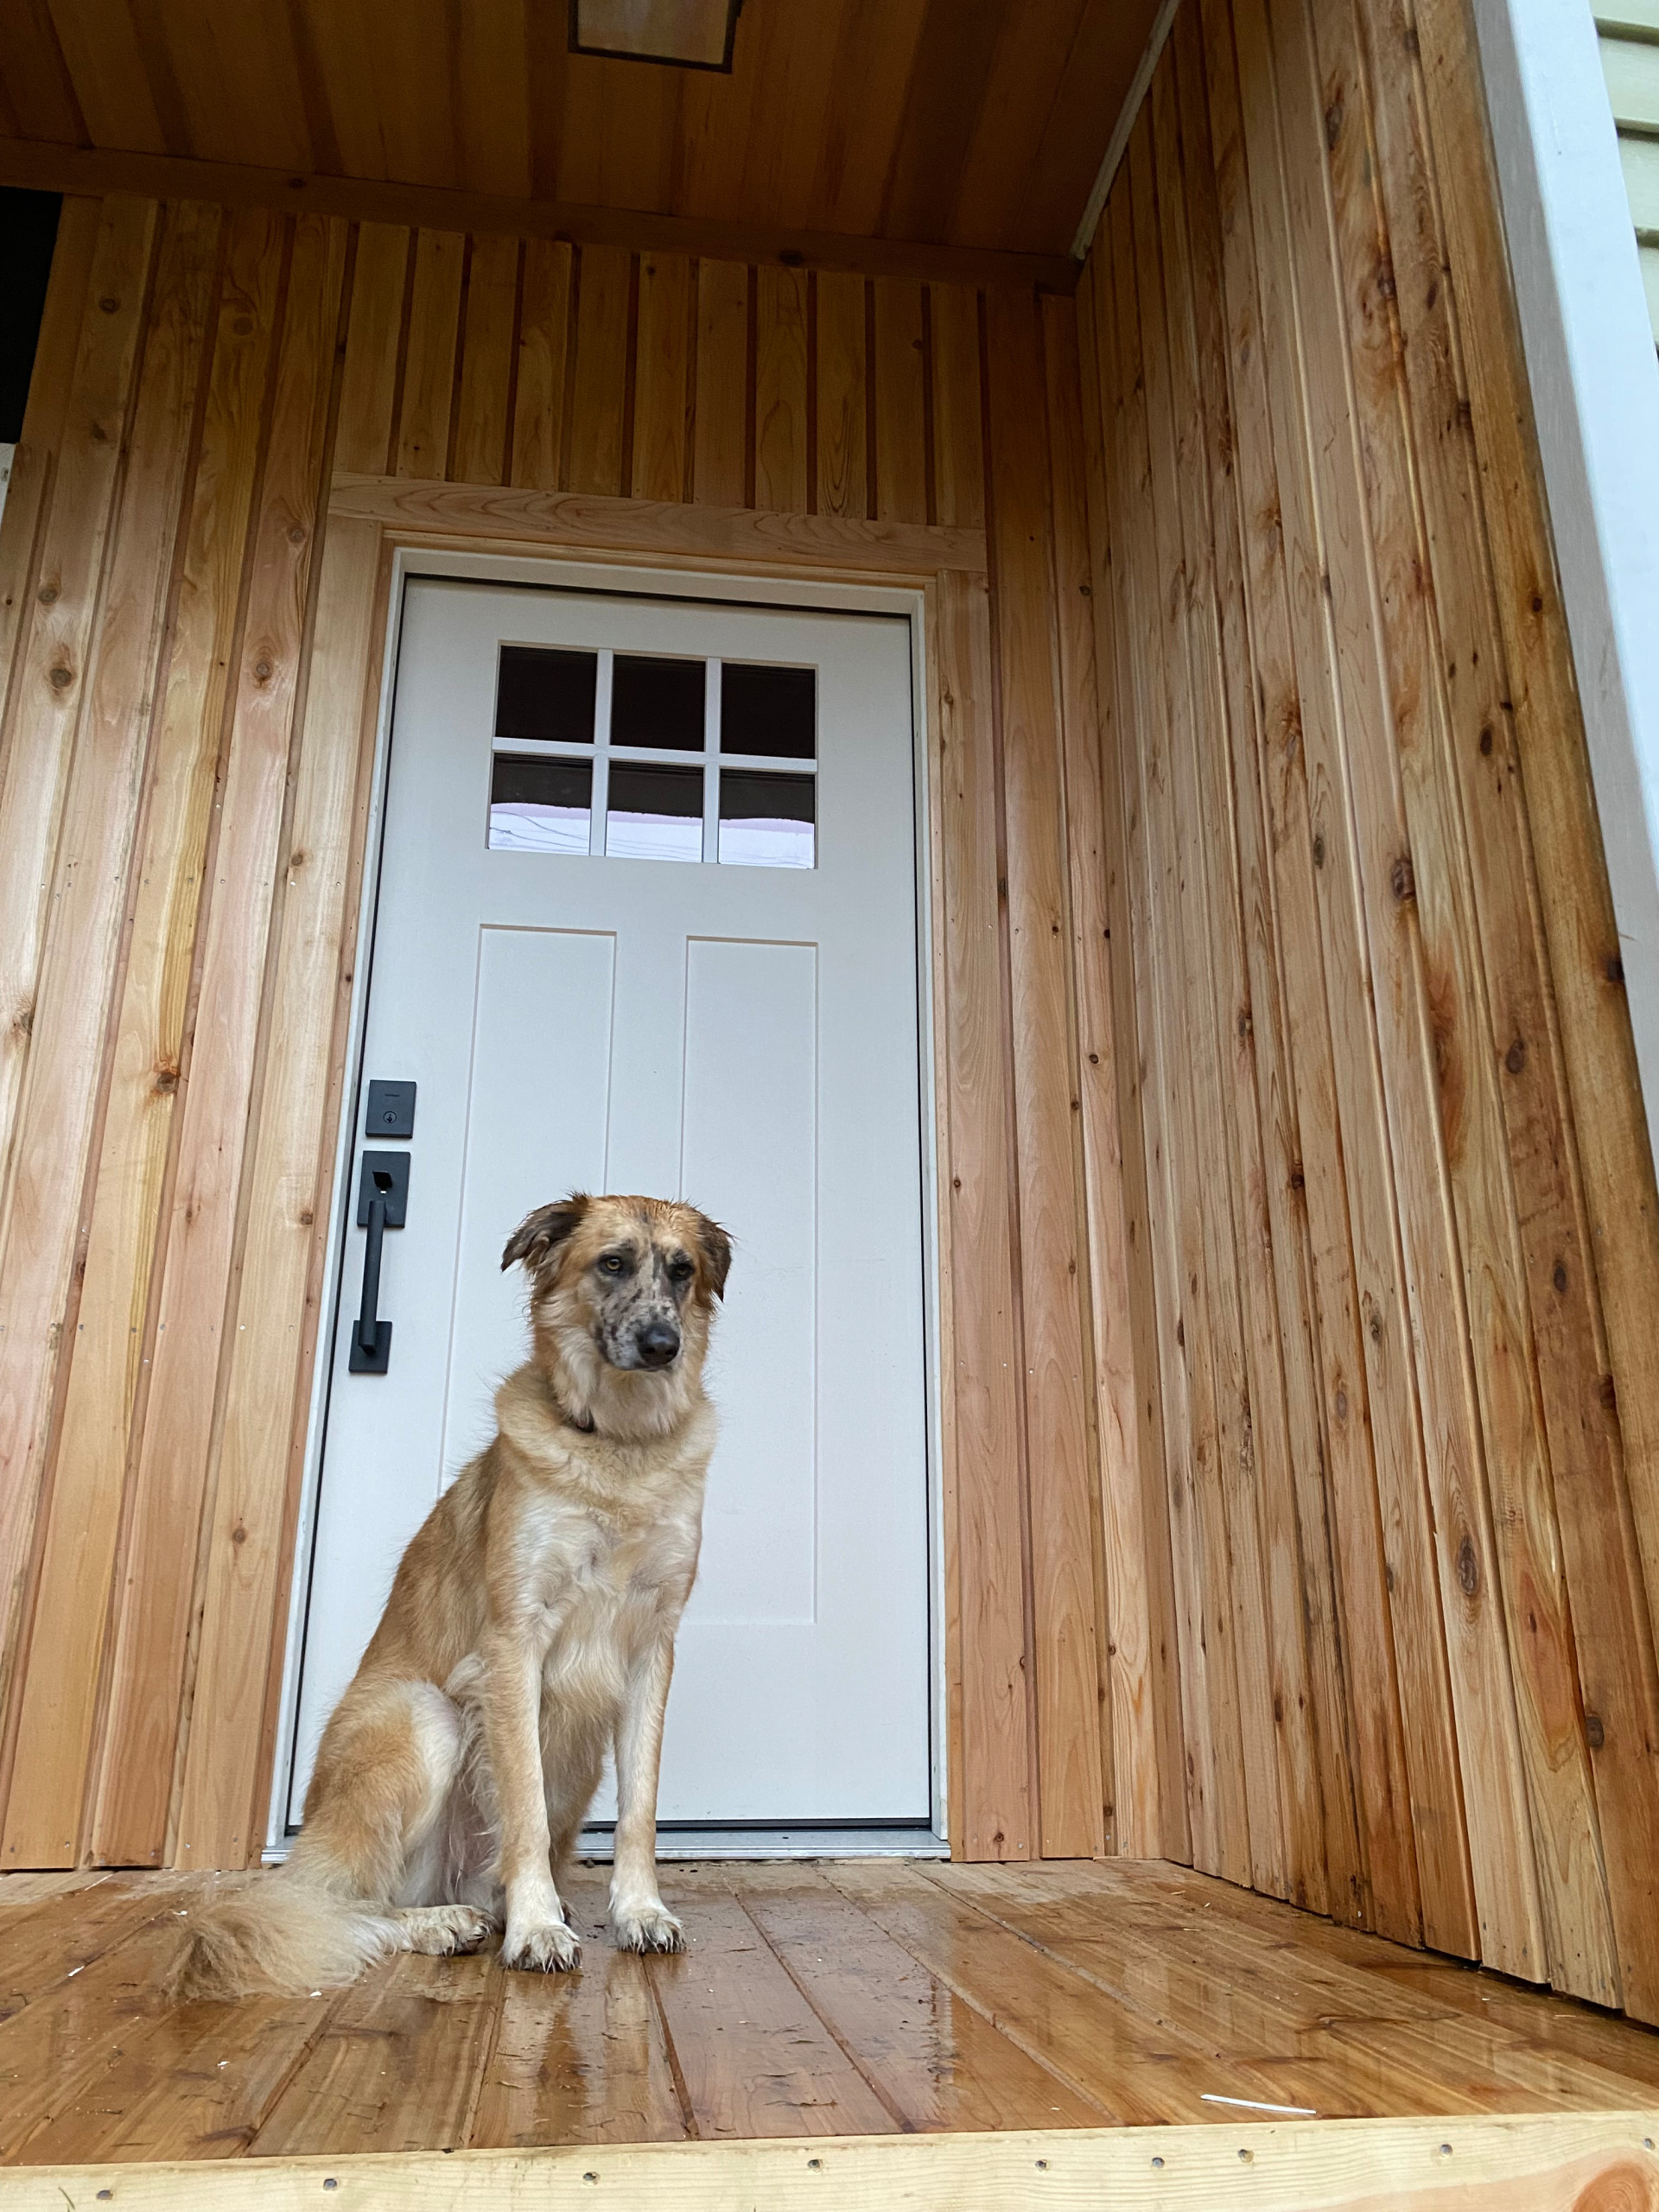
x=278, y=1935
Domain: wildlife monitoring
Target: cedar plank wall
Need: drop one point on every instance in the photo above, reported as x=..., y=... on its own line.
x=1401, y=1206
x=179, y=834
x=1306, y=1420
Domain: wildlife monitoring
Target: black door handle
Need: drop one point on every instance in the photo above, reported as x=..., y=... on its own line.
x=382, y=1204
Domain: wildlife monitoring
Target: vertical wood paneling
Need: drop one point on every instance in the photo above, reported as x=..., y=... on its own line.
x=720, y=432
x=172, y=1477
x=1444, y=1877
x=1060, y=1475
x=1371, y=1269
x=997, y=1720
x=1329, y=1872
x=958, y=433
x=480, y=425
x=599, y=385
x=108, y=1382
x=1595, y=1066
x=1422, y=925
x=780, y=411
x=1477, y=754
x=1147, y=1739
x=544, y=366
x=226, y=1771
x=72, y=1586
x=1111, y=1265
x=843, y=436
x=429, y=380
x=1286, y=1843
x=1220, y=1781
x=1366, y=599
x=901, y=411
x=1127, y=493
x=661, y=395
x=368, y=392
x=41, y=1166
x=1386, y=1873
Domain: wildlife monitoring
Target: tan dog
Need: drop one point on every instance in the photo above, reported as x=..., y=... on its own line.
x=530, y=1628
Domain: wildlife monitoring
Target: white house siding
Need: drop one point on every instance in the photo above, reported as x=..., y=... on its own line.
x=1630, y=61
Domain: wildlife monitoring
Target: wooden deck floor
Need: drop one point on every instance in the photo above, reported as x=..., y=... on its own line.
x=868, y=1997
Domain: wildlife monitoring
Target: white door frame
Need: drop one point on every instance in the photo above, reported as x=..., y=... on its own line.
x=614, y=579
x=1595, y=391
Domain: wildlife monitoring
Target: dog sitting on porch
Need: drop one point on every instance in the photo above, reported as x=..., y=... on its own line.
x=530, y=1627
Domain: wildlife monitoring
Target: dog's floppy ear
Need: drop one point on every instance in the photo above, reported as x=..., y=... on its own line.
x=716, y=1246
x=539, y=1235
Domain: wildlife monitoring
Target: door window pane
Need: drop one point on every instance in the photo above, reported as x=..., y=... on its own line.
x=655, y=814
x=767, y=821
x=770, y=711
x=546, y=693
x=658, y=702
x=539, y=806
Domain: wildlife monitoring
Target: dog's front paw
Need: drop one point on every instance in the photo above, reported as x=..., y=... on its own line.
x=444, y=1931
x=540, y=1946
x=646, y=1928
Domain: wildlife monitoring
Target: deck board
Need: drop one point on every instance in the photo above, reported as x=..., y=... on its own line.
x=864, y=1998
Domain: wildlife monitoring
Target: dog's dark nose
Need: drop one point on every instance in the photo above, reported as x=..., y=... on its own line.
x=659, y=1342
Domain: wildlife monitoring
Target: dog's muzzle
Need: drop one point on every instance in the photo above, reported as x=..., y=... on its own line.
x=658, y=1345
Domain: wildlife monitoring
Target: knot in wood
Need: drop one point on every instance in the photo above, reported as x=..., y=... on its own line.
x=1318, y=851
x=1595, y=1735
x=1468, y=1568
x=1516, y=1058
x=1559, y=1278
x=61, y=679
x=46, y=594
x=1333, y=123
x=109, y=304
x=1402, y=880
x=1487, y=740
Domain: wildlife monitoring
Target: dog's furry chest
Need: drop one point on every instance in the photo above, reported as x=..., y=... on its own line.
x=602, y=1597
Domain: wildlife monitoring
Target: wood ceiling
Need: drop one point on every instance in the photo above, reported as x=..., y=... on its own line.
x=966, y=122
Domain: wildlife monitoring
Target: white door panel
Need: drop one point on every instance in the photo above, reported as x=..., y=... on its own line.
x=744, y=1036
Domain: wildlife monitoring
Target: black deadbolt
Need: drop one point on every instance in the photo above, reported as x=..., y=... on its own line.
x=392, y=1110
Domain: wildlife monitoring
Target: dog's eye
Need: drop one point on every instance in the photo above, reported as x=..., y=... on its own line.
x=613, y=1263
x=680, y=1269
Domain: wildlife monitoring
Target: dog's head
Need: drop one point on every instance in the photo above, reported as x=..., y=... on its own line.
x=635, y=1280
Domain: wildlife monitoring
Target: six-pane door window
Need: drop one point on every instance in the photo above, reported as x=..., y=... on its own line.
x=638, y=756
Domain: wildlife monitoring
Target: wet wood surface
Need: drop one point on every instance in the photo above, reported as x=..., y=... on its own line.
x=845, y=1998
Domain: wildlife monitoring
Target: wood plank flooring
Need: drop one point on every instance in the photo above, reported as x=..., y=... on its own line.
x=865, y=1997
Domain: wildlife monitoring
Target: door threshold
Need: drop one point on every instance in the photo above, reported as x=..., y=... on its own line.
x=593, y=1845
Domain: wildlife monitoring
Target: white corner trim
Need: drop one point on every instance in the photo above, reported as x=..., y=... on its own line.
x=1121, y=130
x=1595, y=387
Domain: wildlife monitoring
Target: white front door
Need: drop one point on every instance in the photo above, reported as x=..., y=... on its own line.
x=646, y=922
